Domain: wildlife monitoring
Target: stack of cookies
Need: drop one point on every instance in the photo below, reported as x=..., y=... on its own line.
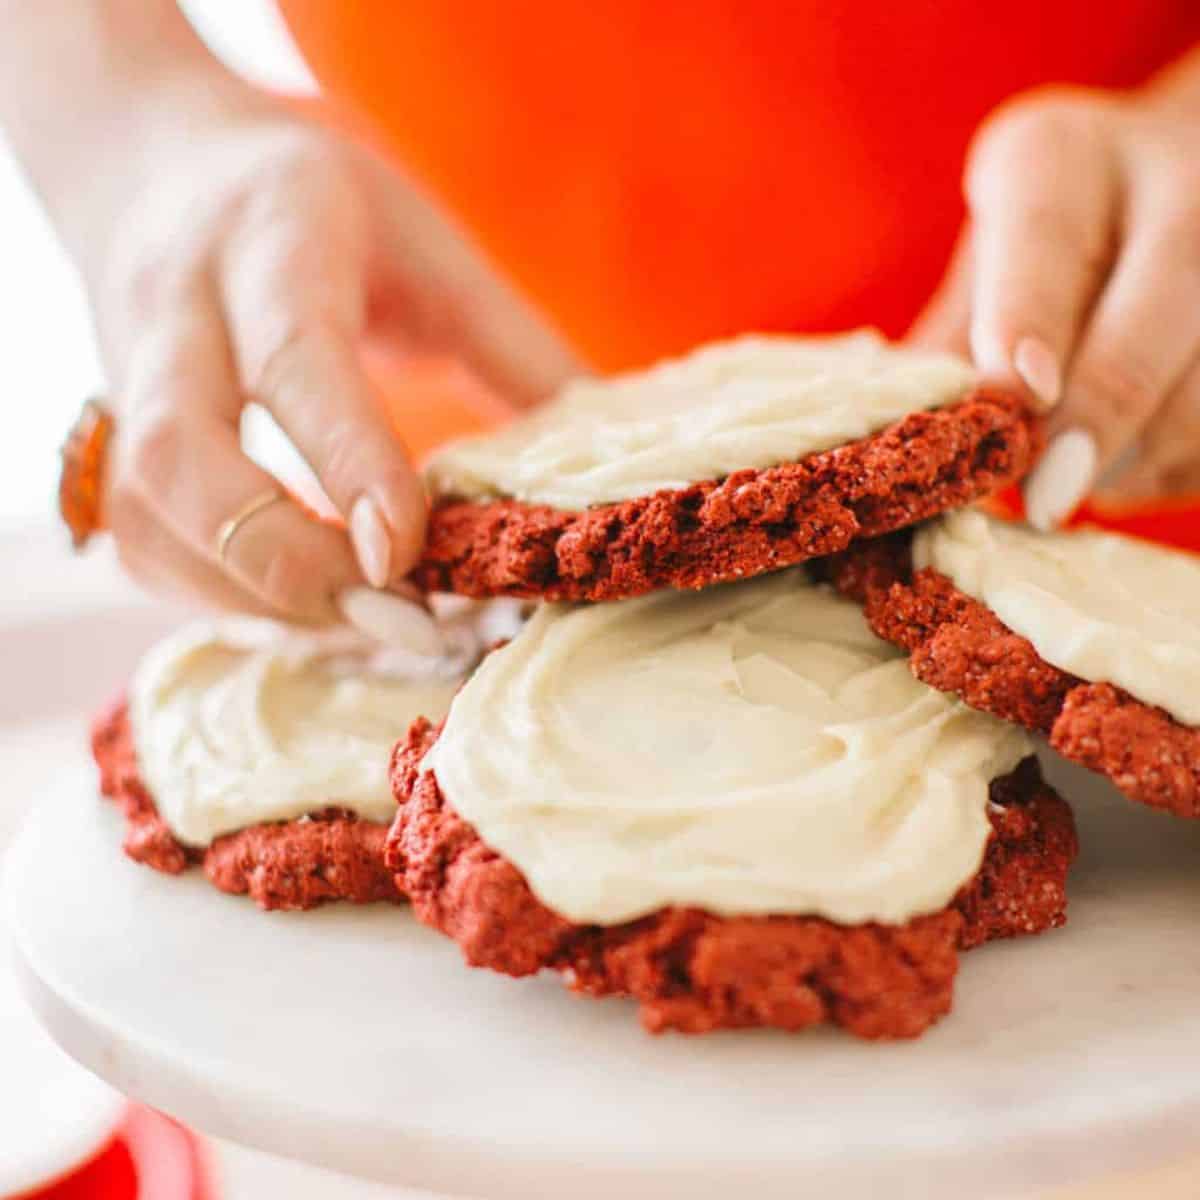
x=762, y=755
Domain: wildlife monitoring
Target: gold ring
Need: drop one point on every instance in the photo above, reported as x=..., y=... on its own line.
x=251, y=508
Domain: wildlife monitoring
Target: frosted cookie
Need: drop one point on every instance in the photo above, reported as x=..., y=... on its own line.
x=738, y=807
x=1092, y=639
x=741, y=458
x=262, y=754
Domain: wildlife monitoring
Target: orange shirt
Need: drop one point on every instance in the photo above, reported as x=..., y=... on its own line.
x=656, y=173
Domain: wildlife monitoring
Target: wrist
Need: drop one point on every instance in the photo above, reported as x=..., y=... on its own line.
x=140, y=82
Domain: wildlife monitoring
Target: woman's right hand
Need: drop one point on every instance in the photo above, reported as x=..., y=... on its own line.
x=249, y=254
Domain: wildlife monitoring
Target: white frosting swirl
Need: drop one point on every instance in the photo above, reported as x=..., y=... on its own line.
x=752, y=748
x=239, y=723
x=754, y=402
x=1107, y=608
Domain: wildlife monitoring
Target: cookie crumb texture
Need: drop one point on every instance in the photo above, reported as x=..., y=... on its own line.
x=748, y=523
x=956, y=644
x=694, y=972
x=331, y=855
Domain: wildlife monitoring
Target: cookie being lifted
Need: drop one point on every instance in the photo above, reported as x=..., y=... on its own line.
x=737, y=807
x=1090, y=638
x=743, y=457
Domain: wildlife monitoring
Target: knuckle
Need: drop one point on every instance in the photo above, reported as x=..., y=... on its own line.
x=1176, y=449
x=1177, y=238
x=1122, y=385
x=289, y=581
x=292, y=154
x=147, y=271
x=151, y=284
x=1173, y=437
x=273, y=356
x=156, y=452
x=1031, y=128
x=447, y=315
x=1053, y=226
x=283, y=344
x=129, y=520
x=348, y=455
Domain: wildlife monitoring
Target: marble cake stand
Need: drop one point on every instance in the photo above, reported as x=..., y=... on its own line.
x=356, y=1040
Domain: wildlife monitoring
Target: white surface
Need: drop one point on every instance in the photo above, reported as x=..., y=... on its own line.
x=356, y=1039
x=53, y=1115
x=50, y=363
x=244, y=1174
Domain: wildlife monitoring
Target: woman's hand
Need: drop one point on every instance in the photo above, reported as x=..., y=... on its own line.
x=235, y=252
x=1079, y=274
x=248, y=262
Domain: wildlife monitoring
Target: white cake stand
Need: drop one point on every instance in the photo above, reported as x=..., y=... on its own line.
x=355, y=1039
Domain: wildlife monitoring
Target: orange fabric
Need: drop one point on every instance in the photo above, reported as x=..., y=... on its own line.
x=657, y=172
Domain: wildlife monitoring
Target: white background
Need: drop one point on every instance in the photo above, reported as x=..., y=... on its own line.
x=48, y=358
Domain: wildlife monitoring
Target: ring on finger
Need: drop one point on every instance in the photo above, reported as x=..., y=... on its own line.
x=229, y=528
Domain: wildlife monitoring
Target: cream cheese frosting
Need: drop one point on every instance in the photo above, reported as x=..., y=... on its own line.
x=239, y=722
x=752, y=748
x=1108, y=608
x=753, y=402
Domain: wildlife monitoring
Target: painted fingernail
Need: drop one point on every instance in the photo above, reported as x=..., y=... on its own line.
x=371, y=540
x=391, y=620
x=1058, y=484
x=1037, y=365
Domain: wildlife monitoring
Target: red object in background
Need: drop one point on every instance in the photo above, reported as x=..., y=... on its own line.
x=659, y=173
x=1174, y=522
x=149, y=1158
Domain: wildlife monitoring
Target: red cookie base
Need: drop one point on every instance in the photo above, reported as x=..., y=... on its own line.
x=744, y=525
x=695, y=972
x=331, y=855
x=958, y=645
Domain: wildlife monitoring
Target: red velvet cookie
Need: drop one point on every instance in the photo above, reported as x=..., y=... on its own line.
x=743, y=525
x=956, y=644
x=695, y=972
x=330, y=855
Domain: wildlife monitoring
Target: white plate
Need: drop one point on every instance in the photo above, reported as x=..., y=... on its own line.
x=53, y=1114
x=354, y=1038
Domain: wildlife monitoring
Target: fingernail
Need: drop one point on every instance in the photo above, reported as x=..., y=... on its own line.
x=1057, y=485
x=371, y=540
x=388, y=619
x=1037, y=365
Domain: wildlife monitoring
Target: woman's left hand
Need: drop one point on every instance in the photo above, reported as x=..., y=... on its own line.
x=1078, y=273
